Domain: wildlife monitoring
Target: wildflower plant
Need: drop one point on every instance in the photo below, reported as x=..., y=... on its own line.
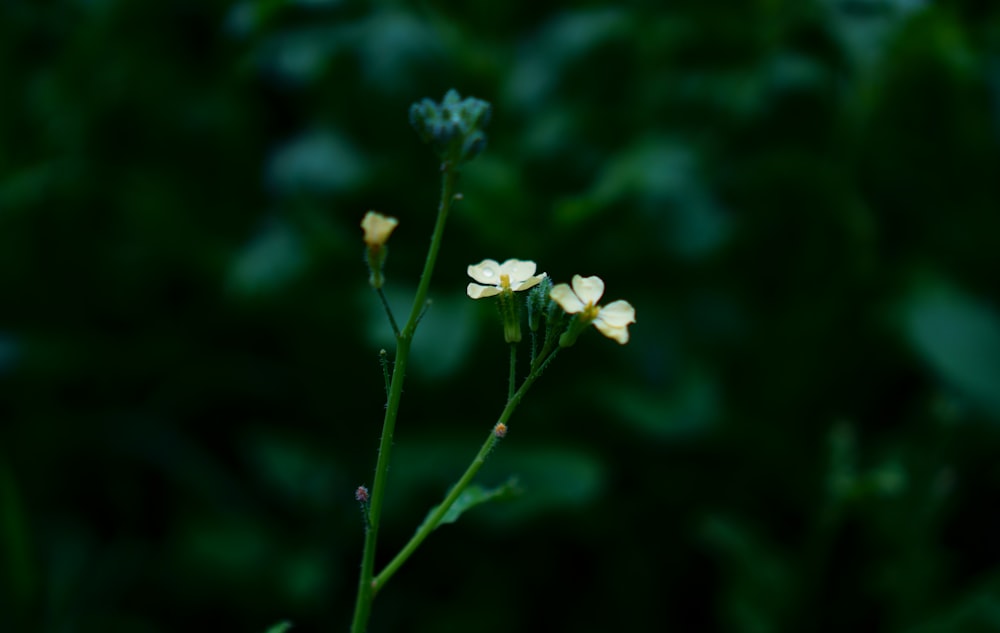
x=556, y=316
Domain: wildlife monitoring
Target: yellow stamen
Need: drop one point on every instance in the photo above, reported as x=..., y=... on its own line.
x=505, y=282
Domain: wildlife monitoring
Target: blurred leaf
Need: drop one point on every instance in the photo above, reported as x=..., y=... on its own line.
x=444, y=337
x=270, y=260
x=251, y=16
x=959, y=338
x=687, y=409
x=20, y=572
x=227, y=547
x=281, y=627
x=295, y=470
x=563, y=39
x=759, y=585
x=317, y=161
x=842, y=475
x=663, y=177
x=392, y=44
x=248, y=16
x=298, y=56
x=552, y=479
x=306, y=576
x=21, y=189
x=68, y=573
x=10, y=352
x=548, y=478
x=473, y=496
x=975, y=611
x=495, y=203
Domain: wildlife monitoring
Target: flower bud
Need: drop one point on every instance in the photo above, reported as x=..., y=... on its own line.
x=454, y=127
x=361, y=494
x=377, y=228
x=538, y=302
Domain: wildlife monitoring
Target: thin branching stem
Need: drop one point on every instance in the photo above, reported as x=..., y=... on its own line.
x=366, y=586
x=388, y=312
x=513, y=371
x=456, y=491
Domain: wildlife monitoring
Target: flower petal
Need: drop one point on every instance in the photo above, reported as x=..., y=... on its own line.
x=486, y=272
x=377, y=228
x=617, y=313
x=566, y=298
x=479, y=292
x=530, y=282
x=619, y=334
x=589, y=289
x=518, y=270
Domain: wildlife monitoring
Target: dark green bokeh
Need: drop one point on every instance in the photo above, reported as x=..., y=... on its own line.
x=801, y=199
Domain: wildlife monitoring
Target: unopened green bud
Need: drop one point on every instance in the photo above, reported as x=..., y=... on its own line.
x=454, y=127
x=538, y=303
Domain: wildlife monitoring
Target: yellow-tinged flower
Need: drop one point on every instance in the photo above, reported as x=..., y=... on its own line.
x=611, y=320
x=377, y=228
x=514, y=275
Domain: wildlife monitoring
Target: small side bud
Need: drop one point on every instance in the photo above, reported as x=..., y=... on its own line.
x=361, y=494
x=500, y=430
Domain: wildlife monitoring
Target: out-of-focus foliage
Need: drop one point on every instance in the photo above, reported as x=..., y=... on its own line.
x=800, y=197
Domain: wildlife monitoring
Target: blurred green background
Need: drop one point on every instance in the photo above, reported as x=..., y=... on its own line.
x=801, y=199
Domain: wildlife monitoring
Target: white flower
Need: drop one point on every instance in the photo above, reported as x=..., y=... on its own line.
x=611, y=320
x=377, y=228
x=513, y=274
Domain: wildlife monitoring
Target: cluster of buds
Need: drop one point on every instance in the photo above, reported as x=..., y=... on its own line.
x=454, y=127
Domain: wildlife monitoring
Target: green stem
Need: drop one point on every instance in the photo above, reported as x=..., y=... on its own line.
x=534, y=347
x=434, y=519
x=449, y=176
x=388, y=312
x=513, y=371
x=366, y=584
